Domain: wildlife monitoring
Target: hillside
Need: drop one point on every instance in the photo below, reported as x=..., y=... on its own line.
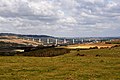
x=18, y=40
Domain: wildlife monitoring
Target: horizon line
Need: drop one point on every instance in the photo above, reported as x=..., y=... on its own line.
x=58, y=36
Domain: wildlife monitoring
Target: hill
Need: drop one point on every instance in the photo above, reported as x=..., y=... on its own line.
x=21, y=35
x=18, y=40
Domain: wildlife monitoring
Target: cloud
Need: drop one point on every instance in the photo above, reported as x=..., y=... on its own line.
x=60, y=17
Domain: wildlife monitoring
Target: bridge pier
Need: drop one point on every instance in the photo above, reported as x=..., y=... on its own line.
x=65, y=41
x=56, y=41
x=73, y=41
x=48, y=41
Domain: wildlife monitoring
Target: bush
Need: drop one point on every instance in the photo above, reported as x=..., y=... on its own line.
x=7, y=53
x=94, y=47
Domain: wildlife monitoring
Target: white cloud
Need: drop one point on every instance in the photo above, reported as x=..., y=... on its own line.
x=111, y=4
x=68, y=20
x=95, y=1
x=42, y=8
x=67, y=16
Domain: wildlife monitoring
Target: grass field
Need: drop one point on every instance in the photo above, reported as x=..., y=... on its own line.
x=70, y=66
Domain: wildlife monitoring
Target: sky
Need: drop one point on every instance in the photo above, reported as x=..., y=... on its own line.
x=61, y=18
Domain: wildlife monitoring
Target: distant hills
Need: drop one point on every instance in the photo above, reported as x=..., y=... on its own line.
x=30, y=36
x=43, y=39
x=19, y=39
x=47, y=36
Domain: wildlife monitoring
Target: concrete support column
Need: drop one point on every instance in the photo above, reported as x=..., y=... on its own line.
x=33, y=39
x=82, y=41
x=65, y=41
x=73, y=41
x=40, y=40
x=56, y=41
x=48, y=41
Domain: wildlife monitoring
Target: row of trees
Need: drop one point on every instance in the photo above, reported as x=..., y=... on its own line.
x=113, y=42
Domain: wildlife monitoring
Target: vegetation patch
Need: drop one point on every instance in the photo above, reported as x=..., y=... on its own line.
x=48, y=52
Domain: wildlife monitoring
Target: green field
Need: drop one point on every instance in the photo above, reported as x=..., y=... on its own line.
x=102, y=64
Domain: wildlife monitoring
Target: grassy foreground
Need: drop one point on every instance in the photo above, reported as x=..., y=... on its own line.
x=106, y=66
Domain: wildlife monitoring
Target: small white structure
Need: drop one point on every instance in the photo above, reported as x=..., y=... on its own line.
x=19, y=50
x=28, y=39
x=65, y=41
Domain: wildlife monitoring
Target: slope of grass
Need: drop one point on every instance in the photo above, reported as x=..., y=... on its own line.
x=65, y=67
